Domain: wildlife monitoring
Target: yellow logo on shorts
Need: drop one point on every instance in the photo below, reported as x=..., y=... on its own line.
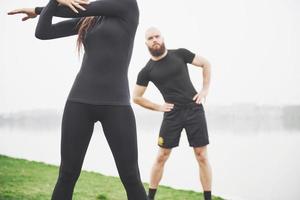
x=160, y=141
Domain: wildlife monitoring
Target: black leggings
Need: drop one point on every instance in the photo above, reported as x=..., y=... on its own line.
x=119, y=127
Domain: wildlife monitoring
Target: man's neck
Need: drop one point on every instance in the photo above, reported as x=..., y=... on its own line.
x=159, y=57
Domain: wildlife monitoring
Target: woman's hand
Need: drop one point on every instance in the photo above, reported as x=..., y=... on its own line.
x=29, y=12
x=74, y=4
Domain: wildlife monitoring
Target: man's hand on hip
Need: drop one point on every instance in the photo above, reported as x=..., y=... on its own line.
x=166, y=107
x=201, y=96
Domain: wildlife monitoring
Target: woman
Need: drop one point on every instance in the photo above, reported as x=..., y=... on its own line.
x=106, y=28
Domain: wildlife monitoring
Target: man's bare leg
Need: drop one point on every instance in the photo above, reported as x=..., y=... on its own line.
x=205, y=170
x=157, y=170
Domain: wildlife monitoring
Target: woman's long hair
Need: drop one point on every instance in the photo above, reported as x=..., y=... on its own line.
x=84, y=24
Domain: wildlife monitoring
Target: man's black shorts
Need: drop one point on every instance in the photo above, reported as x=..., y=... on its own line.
x=191, y=117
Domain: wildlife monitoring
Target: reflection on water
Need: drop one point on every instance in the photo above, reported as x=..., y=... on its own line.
x=248, y=118
x=258, y=166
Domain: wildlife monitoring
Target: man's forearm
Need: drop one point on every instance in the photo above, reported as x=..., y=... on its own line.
x=146, y=103
x=206, y=76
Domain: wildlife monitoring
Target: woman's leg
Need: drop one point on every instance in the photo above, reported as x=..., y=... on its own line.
x=119, y=127
x=77, y=129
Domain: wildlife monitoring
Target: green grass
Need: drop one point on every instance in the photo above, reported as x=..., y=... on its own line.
x=28, y=180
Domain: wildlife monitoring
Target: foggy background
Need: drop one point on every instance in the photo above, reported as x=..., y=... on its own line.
x=254, y=98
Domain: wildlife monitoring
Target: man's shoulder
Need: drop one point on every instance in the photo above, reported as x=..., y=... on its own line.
x=149, y=63
x=181, y=49
x=178, y=50
x=186, y=55
x=147, y=66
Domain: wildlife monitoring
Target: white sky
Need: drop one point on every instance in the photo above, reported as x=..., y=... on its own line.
x=253, y=46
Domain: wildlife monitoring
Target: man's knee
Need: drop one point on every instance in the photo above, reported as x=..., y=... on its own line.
x=201, y=155
x=163, y=156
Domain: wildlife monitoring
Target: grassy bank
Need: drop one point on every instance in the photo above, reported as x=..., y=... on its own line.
x=27, y=180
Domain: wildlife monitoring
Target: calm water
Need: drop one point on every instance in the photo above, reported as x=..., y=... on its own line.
x=258, y=166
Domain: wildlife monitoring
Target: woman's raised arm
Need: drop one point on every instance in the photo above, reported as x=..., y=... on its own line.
x=68, y=9
x=46, y=30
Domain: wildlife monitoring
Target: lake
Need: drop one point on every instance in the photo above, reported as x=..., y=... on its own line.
x=246, y=166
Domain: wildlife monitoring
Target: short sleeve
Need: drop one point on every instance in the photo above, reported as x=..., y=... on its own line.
x=143, y=77
x=187, y=55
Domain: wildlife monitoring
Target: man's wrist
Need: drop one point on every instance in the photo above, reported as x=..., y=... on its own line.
x=156, y=107
x=204, y=89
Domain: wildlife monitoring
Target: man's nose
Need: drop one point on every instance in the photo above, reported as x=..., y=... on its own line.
x=155, y=42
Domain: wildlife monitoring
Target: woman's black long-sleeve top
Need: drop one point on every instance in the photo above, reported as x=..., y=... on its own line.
x=102, y=79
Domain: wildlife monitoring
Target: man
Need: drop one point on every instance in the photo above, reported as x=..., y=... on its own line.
x=183, y=108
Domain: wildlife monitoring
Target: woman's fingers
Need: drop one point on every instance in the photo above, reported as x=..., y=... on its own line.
x=75, y=4
x=12, y=12
x=78, y=6
x=83, y=1
x=25, y=18
x=16, y=11
x=72, y=7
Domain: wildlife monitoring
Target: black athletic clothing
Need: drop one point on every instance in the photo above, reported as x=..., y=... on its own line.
x=119, y=127
x=102, y=79
x=170, y=75
x=100, y=91
x=207, y=195
x=191, y=117
x=151, y=193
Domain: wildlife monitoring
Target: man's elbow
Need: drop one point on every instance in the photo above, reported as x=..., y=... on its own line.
x=207, y=65
x=136, y=99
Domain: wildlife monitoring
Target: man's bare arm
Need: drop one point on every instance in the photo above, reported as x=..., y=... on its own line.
x=200, y=61
x=140, y=100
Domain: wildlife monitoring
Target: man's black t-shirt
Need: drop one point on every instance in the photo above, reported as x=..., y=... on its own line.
x=170, y=75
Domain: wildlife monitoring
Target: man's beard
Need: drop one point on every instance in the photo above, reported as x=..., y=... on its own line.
x=157, y=52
